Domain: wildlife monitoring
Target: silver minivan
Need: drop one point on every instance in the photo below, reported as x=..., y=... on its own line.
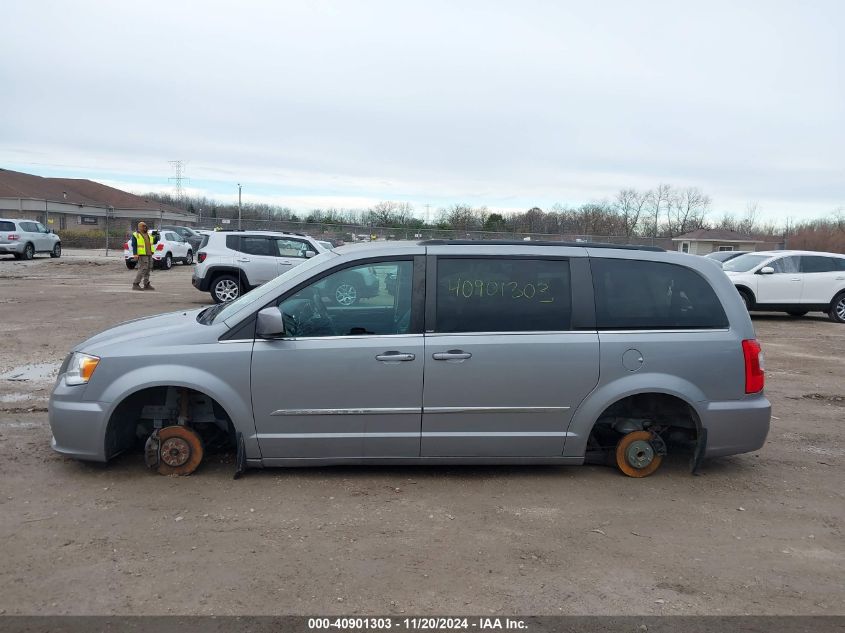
x=469, y=352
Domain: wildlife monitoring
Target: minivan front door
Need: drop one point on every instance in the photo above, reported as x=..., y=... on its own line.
x=346, y=381
x=503, y=371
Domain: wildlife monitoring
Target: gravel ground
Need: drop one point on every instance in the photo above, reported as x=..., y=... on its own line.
x=758, y=533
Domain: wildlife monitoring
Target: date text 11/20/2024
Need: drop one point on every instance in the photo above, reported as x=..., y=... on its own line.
x=417, y=624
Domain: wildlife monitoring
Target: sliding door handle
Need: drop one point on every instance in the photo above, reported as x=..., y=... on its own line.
x=393, y=357
x=452, y=354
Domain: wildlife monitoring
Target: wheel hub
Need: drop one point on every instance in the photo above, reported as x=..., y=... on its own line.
x=175, y=451
x=639, y=454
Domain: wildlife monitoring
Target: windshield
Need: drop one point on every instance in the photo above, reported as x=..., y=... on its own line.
x=223, y=311
x=744, y=263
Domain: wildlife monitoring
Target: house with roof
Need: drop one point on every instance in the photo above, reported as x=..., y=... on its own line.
x=79, y=204
x=703, y=241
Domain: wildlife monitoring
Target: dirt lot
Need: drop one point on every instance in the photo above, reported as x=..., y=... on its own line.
x=758, y=533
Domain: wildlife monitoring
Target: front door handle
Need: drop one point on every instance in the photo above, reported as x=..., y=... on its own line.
x=452, y=354
x=393, y=357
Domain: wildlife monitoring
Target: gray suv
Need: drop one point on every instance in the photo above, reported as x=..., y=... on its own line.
x=25, y=238
x=478, y=353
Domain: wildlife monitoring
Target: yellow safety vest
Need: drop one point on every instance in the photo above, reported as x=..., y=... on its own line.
x=142, y=246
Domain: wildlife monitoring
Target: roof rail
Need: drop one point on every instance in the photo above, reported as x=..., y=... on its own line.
x=627, y=247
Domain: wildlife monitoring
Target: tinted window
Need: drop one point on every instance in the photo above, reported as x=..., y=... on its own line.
x=370, y=299
x=290, y=248
x=839, y=262
x=744, y=263
x=817, y=264
x=7, y=226
x=251, y=245
x=785, y=265
x=634, y=295
x=502, y=295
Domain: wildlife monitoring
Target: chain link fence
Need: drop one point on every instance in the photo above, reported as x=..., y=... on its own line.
x=362, y=232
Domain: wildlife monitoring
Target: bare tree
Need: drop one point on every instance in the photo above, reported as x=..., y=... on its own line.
x=658, y=199
x=686, y=211
x=630, y=205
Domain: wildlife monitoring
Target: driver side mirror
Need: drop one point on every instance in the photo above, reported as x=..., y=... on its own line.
x=269, y=324
x=309, y=254
x=766, y=270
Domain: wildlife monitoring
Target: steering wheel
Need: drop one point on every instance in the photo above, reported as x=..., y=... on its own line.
x=321, y=311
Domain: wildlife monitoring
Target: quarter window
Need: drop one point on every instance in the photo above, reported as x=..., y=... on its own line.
x=502, y=295
x=643, y=295
x=362, y=300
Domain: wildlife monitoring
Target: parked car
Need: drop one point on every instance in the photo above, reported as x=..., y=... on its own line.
x=230, y=263
x=191, y=236
x=723, y=256
x=170, y=247
x=25, y=238
x=504, y=352
x=795, y=282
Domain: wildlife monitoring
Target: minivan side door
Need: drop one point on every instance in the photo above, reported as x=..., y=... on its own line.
x=504, y=368
x=344, y=381
x=784, y=285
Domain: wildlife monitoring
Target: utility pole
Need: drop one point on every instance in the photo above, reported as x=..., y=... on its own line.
x=46, y=213
x=239, y=206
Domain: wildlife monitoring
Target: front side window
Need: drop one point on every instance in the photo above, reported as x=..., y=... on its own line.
x=41, y=228
x=644, y=295
x=502, y=295
x=361, y=300
x=785, y=265
x=817, y=264
x=290, y=248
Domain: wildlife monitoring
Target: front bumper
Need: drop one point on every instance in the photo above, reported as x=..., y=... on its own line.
x=79, y=426
x=737, y=426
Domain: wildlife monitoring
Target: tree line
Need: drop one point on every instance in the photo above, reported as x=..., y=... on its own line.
x=661, y=212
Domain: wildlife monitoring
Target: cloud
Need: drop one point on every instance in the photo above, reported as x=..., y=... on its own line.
x=504, y=105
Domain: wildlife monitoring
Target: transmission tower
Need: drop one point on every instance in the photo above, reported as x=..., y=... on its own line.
x=178, y=178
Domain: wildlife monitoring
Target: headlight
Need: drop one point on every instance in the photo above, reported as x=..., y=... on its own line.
x=80, y=368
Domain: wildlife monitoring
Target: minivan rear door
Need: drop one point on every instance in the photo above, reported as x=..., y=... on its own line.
x=504, y=368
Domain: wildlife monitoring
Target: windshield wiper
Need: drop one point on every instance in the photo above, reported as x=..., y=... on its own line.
x=207, y=316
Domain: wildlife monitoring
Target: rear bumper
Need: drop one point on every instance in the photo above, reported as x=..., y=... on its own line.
x=16, y=248
x=738, y=426
x=200, y=283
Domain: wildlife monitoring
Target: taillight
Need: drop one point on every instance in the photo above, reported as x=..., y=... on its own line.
x=755, y=375
x=126, y=245
x=159, y=246
x=201, y=257
x=13, y=236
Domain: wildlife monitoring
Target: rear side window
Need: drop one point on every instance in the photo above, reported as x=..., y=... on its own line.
x=7, y=226
x=29, y=227
x=251, y=245
x=643, y=295
x=502, y=295
x=817, y=264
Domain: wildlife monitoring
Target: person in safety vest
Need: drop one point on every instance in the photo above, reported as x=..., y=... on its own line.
x=142, y=252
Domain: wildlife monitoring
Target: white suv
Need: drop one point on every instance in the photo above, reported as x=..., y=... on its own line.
x=230, y=263
x=796, y=282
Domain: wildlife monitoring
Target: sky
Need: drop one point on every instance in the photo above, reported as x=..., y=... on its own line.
x=504, y=104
